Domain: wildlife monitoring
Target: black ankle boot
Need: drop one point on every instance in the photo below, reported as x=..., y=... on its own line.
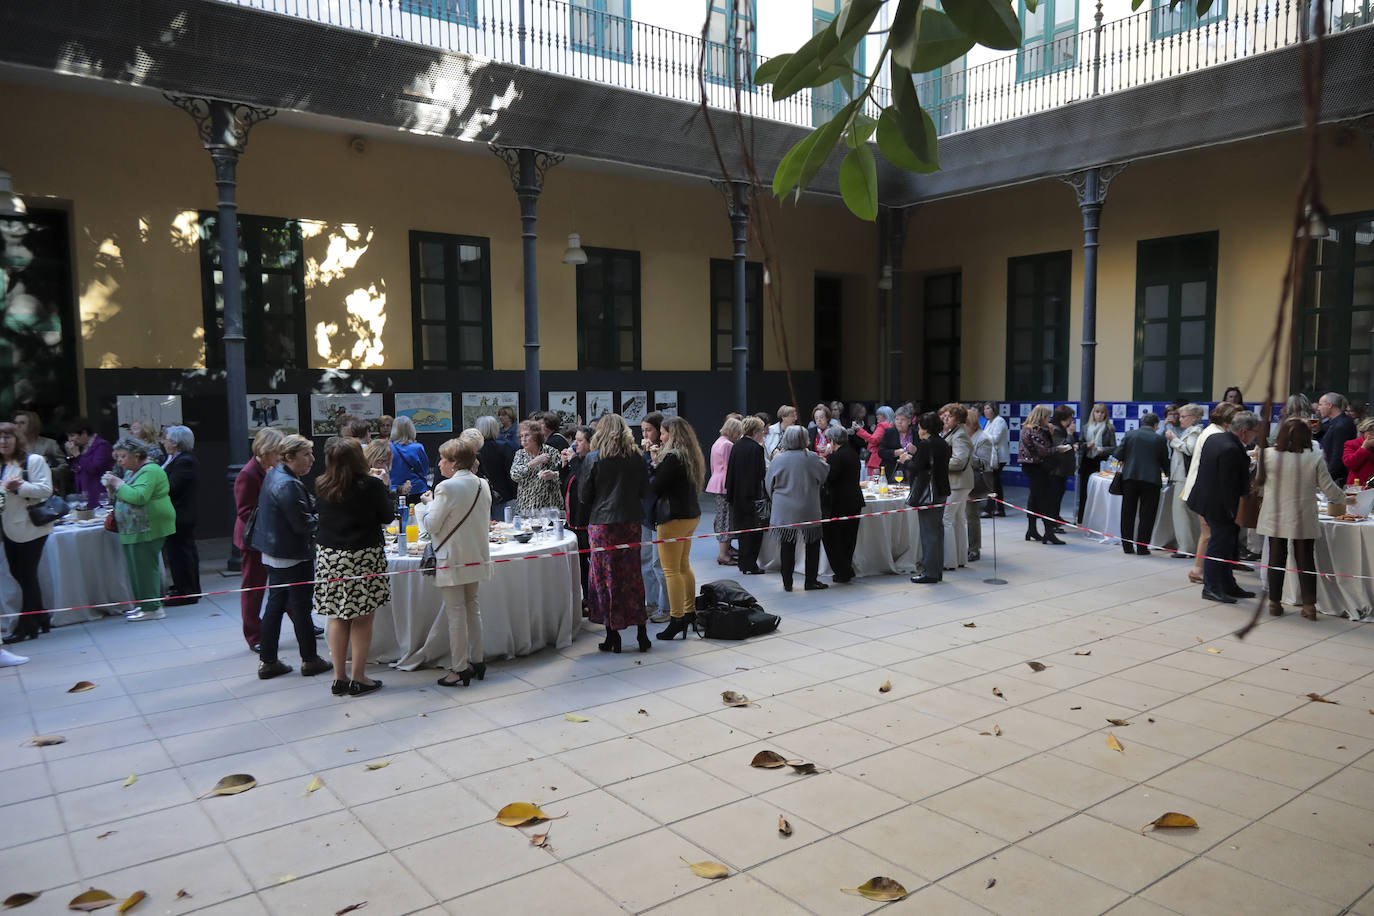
x=642, y=635
x=612, y=643
x=678, y=625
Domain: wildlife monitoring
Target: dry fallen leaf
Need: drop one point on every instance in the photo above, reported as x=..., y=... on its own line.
x=286, y=879
x=768, y=760
x=45, y=740
x=1150, y=719
x=350, y=908
x=1074, y=708
x=183, y=893
x=880, y=888
x=992, y=882
x=784, y=828
x=1318, y=698
x=970, y=625
x=1119, y=723
x=1114, y=744
x=885, y=686
x=541, y=839
x=643, y=712
x=574, y=717
x=132, y=901
x=232, y=785
x=378, y=764
x=988, y=734
x=997, y=731
x=130, y=781
x=707, y=869
x=314, y=785
x=1087, y=652
x=1214, y=651
x=1037, y=666
x=1200, y=639
x=92, y=899
x=518, y=814
x=731, y=698
x=997, y=693
x=14, y=900
x=802, y=767
x=81, y=687
x=107, y=833
x=1170, y=820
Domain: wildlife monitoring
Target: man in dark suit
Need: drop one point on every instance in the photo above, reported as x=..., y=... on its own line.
x=841, y=497
x=1337, y=429
x=1144, y=455
x=179, y=550
x=929, y=475
x=1223, y=477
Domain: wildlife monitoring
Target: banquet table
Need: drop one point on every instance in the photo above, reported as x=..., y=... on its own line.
x=887, y=544
x=82, y=564
x=1346, y=548
x=525, y=606
x=1102, y=512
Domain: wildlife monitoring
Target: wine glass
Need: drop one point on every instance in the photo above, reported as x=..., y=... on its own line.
x=900, y=475
x=105, y=500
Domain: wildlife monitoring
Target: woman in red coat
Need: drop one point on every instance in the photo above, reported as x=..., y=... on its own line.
x=875, y=438
x=1358, y=455
x=247, y=486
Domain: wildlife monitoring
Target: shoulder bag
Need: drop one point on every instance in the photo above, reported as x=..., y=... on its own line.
x=49, y=510
x=429, y=563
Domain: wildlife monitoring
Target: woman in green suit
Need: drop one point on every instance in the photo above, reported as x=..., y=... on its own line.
x=143, y=511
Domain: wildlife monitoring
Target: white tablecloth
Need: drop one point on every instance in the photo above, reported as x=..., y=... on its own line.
x=1344, y=547
x=887, y=544
x=81, y=565
x=525, y=606
x=1102, y=512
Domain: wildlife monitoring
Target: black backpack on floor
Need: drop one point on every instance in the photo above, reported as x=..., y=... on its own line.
x=726, y=610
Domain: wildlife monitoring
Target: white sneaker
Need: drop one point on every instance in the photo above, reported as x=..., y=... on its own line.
x=135, y=614
x=9, y=660
x=159, y=614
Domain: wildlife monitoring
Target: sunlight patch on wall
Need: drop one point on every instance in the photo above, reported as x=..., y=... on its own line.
x=110, y=361
x=367, y=319
x=340, y=256
x=186, y=232
x=97, y=306
x=323, y=332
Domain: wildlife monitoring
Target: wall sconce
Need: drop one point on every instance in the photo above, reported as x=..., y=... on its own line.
x=885, y=281
x=574, y=253
x=11, y=207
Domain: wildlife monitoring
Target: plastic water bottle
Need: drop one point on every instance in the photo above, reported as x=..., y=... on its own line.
x=402, y=516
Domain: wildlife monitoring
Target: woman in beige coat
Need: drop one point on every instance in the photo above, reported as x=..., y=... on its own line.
x=960, y=484
x=458, y=514
x=1290, y=475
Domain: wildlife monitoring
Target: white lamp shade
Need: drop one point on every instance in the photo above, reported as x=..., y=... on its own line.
x=574, y=253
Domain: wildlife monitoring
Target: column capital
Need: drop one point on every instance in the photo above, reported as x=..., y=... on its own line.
x=1090, y=185
x=738, y=195
x=222, y=125
x=515, y=158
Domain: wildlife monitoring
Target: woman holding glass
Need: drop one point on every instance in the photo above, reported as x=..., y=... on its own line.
x=535, y=470
x=144, y=514
x=457, y=522
x=1099, y=440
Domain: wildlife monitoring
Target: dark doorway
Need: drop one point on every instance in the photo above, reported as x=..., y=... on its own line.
x=943, y=306
x=37, y=321
x=829, y=336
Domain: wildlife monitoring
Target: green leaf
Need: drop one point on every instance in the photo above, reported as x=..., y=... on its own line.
x=893, y=145
x=1202, y=7
x=902, y=36
x=859, y=183
x=768, y=70
x=841, y=71
x=800, y=67
x=855, y=11
x=991, y=22
x=860, y=130
x=1032, y=4
x=938, y=42
x=788, y=172
x=806, y=157
x=844, y=48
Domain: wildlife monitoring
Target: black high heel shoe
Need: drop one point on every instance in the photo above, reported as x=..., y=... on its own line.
x=612, y=643
x=642, y=635
x=464, y=677
x=678, y=625
x=1033, y=536
x=480, y=670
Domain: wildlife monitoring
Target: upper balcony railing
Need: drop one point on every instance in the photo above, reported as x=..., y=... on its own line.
x=557, y=37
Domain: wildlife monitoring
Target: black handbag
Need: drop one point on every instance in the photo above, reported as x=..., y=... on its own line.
x=49, y=510
x=429, y=563
x=726, y=610
x=1116, y=488
x=763, y=510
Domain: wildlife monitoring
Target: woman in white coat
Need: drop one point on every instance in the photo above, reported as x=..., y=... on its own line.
x=459, y=510
x=995, y=428
x=1183, y=451
x=960, y=484
x=24, y=481
x=1290, y=474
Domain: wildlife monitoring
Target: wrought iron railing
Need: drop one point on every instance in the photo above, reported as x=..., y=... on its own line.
x=557, y=37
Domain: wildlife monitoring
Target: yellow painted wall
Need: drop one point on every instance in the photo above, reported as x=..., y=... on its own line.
x=134, y=175
x=1243, y=191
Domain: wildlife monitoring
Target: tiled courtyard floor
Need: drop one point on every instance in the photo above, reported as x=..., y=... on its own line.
x=918, y=785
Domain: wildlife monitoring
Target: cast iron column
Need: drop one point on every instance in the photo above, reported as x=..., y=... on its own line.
x=527, y=168
x=737, y=197
x=1090, y=187
x=896, y=238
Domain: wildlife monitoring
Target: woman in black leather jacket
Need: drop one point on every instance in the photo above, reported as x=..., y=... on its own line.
x=284, y=533
x=612, y=484
x=743, y=490
x=679, y=475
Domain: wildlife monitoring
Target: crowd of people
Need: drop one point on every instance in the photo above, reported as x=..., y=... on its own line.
x=322, y=547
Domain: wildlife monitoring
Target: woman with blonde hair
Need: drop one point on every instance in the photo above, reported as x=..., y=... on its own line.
x=720, y=460
x=377, y=454
x=1036, y=446
x=613, y=483
x=350, y=561
x=677, y=479
x=144, y=431
x=409, y=463
x=457, y=521
x=1099, y=440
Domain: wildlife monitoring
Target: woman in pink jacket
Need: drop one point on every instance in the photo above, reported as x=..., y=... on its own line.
x=720, y=459
x=875, y=438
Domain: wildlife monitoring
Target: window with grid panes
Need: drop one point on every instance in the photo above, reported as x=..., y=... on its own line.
x=608, y=311
x=272, y=284
x=463, y=12
x=1182, y=18
x=942, y=92
x=1336, y=314
x=1038, y=327
x=601, y=27
x=723, y=313
x=1175, y=311
x=827, y=100
x=942, y=303
x=731, y=20
x=1049, y=38
x=450, y=291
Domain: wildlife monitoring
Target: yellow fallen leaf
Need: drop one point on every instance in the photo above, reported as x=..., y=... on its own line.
x=885, y=686
x=517, y=814
x=133, y=900
x=880, y=888
x=1088, y=652
x=232, y=785
x=14, y=900
x=707, y=869
x=92, y=899
x=1170, y=820
x=315, y=784
x=1114, y=744
x=81, y=687
x=573, y=717
x=1214, y=651
x=130, y=781
x=378, y=764
x=286, y=879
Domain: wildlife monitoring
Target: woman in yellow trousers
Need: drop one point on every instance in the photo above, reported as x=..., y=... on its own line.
x=678, y=477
